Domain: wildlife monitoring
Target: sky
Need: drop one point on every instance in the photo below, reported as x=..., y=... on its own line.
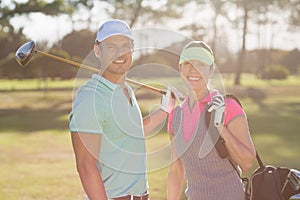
x=40, y=28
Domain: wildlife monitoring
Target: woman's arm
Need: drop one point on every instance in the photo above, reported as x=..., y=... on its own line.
x=238, y=142
x=176, y=179
x=86, y=148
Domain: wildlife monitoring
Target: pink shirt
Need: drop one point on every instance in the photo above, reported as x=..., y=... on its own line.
x=191, y=117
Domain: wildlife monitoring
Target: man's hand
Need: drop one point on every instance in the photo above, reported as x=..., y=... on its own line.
x=218, y=105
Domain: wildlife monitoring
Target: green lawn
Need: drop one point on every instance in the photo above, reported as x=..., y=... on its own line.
x=37, y=160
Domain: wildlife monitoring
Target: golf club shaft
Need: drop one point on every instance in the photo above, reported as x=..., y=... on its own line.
x=97, y=71
x=68, y=61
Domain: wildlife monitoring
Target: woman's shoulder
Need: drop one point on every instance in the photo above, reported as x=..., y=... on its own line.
x=232, y=102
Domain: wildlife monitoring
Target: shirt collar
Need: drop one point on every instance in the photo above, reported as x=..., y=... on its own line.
x=106, y=82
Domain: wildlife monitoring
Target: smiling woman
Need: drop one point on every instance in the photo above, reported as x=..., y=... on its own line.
x=195, y=142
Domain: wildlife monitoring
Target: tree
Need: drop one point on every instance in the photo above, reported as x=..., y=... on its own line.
x=248, y=11
x=9, y=42
x=10, y=69
x=291, y=61
x=78, y=47
x=245, y=7
x=294, y=7
x=16, y=8
x=15, y=38
x=11, y=39
x=219, y=9
x=78, y=6
x=145, y=11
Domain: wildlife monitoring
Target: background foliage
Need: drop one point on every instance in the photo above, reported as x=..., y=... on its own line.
x=78, y=43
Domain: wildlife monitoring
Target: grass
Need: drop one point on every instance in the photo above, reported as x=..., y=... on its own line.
x=37, y=160
x=38, y=165
x=34, y=84
x=275, y=129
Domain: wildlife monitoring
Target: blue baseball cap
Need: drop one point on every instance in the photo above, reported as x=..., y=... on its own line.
x=113, y=27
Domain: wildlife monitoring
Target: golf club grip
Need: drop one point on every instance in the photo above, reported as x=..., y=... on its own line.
x=97, y=71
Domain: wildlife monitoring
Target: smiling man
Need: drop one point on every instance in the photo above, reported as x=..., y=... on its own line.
x=106, y=124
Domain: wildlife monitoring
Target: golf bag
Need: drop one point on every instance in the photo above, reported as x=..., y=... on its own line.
x=266, y=182
x=272, y=183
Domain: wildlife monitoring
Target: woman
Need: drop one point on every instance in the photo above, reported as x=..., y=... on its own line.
x=209, y=177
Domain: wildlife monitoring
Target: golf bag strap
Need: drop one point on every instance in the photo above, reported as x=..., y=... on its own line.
x=246, y=182
x=220, y=145
x=176, y=119
x=221, y=141
x=259, y=160
x=232, y=96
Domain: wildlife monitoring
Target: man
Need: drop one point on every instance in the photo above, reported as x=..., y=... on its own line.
x=106, y=124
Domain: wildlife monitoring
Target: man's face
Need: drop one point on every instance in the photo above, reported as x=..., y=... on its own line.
x=115, y=54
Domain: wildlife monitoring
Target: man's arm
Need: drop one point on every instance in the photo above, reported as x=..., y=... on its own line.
x=152, y=120
x=157, y=117
x=86, y=148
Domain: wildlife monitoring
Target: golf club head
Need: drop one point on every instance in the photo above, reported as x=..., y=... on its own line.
x=25, y=53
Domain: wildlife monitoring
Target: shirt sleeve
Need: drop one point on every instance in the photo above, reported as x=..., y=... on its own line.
x=87, y=114
x=232, y=110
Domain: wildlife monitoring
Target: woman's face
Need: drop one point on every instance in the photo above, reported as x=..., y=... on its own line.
x=195, y=73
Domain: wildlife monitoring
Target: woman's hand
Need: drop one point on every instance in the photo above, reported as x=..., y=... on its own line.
x=218, y=106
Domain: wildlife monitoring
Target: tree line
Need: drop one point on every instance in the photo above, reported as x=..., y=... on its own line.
x=265, y=62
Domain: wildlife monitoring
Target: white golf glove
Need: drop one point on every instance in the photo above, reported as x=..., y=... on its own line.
x=175, y=93
x=168, y=100
x=218, y=105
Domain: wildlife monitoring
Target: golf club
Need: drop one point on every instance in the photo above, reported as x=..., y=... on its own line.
x=25, y=53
